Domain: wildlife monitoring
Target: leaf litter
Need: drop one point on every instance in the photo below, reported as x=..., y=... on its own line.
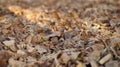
x=59, y=33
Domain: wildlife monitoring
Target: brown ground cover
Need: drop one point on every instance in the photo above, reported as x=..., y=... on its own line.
x=59, y=33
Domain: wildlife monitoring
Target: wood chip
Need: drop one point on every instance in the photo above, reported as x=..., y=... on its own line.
x=105, y=59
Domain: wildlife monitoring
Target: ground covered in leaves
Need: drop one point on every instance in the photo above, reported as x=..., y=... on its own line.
x=59, y=33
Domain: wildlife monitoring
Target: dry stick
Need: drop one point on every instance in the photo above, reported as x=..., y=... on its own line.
x=110, y=48
x=106, y=45
x=114, y=52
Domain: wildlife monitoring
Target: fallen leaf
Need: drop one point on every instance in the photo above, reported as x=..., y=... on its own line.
x=81, y=64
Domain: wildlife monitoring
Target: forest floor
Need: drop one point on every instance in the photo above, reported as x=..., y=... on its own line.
x=59, y=33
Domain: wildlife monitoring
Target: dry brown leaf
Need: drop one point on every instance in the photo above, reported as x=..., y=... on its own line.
x=31, y=59
x=93, y=63
x=5, y=31
x=97, y=47
x=54, y=34
x=3, y=58
x=40, y=49
x=54, y=40
x=29, y=39
x=15, y=63
x=65, y=58
x=95, y=55
x=112, y=64
x=10, y=44
x=81, y=64
x=85, y=36
x=21, y=52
